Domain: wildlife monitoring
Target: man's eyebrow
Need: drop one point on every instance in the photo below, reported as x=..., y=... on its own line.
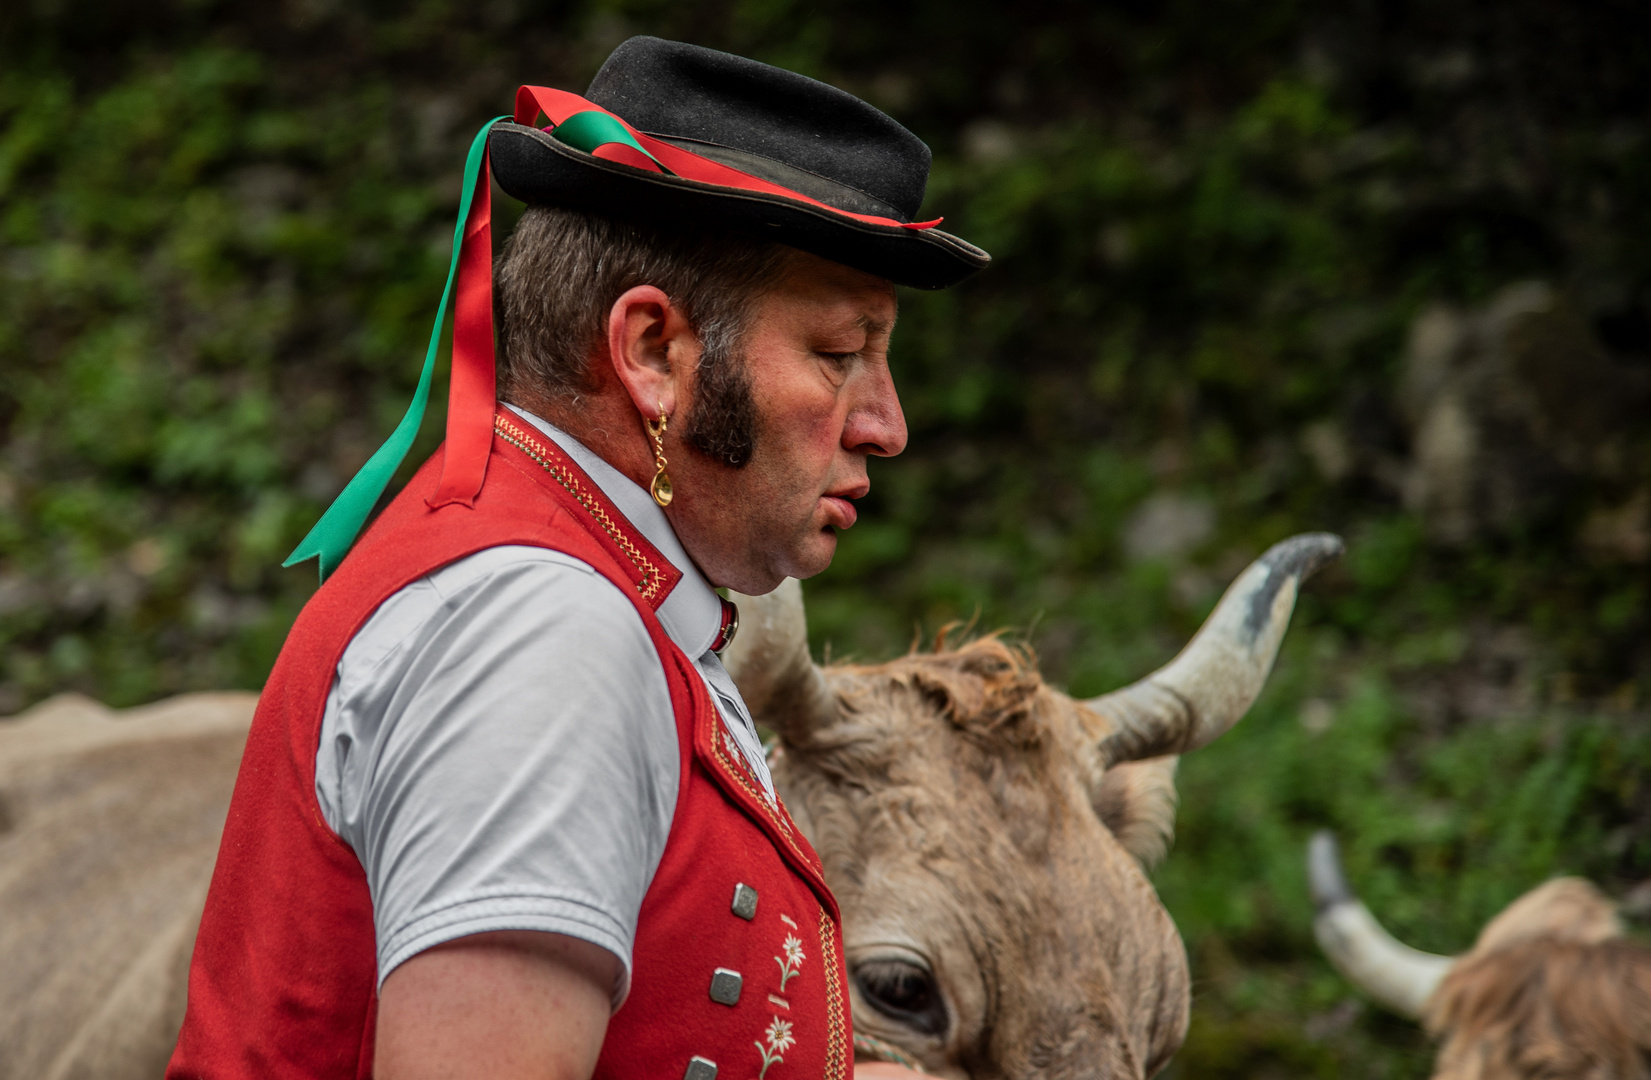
x=874, y=326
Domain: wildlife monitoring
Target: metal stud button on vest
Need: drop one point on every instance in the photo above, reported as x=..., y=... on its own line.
x=700, y=1069
x=725, y=986
x=745, y=901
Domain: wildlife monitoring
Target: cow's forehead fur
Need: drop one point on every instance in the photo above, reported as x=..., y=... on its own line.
x=1551, y=988
x=950, y=800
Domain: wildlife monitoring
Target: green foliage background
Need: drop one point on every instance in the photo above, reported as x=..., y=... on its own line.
x=223, y=227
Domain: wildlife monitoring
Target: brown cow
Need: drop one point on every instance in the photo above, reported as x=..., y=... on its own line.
x=985, y=834
x=1551, y=989
x=109, y=824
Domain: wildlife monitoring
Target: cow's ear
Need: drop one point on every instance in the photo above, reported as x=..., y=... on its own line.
x=1136, y=802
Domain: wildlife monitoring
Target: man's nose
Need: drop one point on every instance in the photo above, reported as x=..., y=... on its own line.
x=876, y=424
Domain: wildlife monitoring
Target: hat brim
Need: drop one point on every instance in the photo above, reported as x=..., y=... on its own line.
x=536, y=168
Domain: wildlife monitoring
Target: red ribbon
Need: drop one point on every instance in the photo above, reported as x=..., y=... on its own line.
x=473, y=388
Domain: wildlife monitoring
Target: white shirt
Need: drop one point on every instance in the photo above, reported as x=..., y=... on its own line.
x=499, y=747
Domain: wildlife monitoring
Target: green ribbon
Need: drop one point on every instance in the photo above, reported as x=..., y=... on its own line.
x=330, y=539
x=591, y=129
x=332, y=536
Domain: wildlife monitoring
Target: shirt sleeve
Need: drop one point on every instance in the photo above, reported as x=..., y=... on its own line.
x=499, y=750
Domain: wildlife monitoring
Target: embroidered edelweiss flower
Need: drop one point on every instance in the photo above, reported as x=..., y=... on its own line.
x=779, y=1035
x=791, y=961
x=780, y=1040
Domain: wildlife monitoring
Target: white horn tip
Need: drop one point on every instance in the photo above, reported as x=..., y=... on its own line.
x=1325, y=877
x=1304, y=553
x=1288, y=562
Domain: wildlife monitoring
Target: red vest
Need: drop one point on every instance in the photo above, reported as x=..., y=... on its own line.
x=282, y=984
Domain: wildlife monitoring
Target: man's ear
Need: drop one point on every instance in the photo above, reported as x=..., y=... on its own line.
x=653, y=348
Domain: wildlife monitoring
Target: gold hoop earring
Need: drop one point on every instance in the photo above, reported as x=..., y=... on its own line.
x=660, y=489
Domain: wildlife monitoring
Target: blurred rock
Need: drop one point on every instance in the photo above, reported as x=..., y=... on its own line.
x=147, y=557
x=1445, y=70
x=1619, y=533
x=1509, y=407
x=1194, y=588
x=263, y=191
x=1316, y=716
x=1636, y=904
x=212, y=610
x=1327, y=446
x=319, y=481
x=1167, y=526
x=988, y=142
x=1168, y=459
x=435, y=119
x=1116, y=244
x=18, y=593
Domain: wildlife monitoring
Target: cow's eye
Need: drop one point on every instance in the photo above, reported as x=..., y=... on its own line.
x=903, y=992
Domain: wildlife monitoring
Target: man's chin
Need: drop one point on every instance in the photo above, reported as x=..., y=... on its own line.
x=814, y=555
x=804, y=559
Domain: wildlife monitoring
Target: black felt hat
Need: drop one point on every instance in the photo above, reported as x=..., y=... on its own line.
x=711, y=139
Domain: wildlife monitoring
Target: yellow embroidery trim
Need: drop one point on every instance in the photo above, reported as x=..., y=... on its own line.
x=837, y=1049
x=562, y=474
x=727, y=752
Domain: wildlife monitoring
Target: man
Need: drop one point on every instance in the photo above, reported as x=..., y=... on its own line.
x=502, y=812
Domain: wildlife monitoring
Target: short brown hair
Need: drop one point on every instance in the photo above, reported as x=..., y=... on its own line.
x=560, y=273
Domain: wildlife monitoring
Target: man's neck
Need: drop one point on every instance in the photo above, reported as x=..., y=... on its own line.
x=606, y=425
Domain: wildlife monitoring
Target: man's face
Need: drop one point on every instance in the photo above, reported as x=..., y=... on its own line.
x=816, y=357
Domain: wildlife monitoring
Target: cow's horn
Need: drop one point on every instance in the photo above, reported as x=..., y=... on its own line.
x=770, y=663
x=1390, y=971
x=1205, y=690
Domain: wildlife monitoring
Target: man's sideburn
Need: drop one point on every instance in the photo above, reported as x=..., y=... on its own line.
x=722, y=418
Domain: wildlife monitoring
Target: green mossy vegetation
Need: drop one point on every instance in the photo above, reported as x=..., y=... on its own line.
x=1224, y=234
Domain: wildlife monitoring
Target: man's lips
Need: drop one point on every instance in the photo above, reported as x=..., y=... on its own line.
x=839, y=511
